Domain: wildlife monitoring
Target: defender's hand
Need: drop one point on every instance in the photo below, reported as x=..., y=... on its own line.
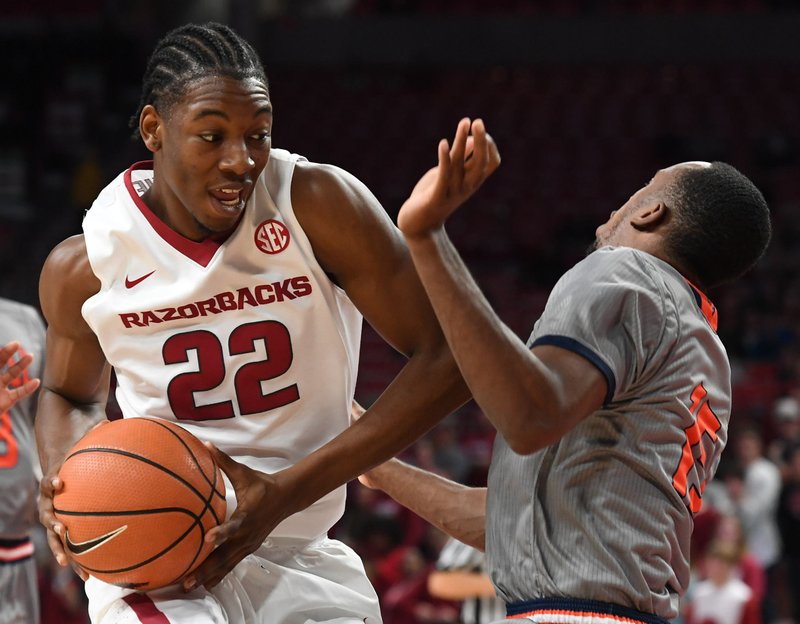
x=13, y=387
x=461, y=170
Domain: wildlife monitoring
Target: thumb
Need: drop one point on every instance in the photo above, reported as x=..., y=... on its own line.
x=229, y=466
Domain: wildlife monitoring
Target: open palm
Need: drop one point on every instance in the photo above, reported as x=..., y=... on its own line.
x=461, y=170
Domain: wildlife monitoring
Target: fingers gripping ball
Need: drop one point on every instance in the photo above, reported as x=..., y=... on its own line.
x=139, y=496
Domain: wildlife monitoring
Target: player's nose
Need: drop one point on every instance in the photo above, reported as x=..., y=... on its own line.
x=236, y=158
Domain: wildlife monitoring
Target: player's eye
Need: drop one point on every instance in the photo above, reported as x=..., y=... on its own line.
x=261, y=137
x=210, y=137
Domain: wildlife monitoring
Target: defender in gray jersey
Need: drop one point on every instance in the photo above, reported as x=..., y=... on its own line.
x=19, y=596
x=613, y=417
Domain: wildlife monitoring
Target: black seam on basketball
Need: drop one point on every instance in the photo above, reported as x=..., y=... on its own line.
x=177, y=541
x=196, y=553
x=128, y=512
x=197, y=523
x=186, y=446
x=145, y=460
x=217, y=474
x=194, y=458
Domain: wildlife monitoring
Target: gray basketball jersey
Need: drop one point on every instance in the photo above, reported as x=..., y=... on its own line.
x=605, y=514
x=17, y=444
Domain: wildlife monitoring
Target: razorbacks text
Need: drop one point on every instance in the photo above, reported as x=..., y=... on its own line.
x=263, y=294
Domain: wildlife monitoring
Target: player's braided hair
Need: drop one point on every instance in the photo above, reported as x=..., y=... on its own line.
x=190, y=52
x=722, y=222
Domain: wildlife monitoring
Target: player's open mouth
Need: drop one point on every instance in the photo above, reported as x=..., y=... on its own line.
x=228, y=199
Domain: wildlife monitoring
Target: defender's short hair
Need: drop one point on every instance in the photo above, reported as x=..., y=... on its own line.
x=722, y=223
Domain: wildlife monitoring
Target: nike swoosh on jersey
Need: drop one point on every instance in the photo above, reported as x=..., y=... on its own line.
x=129, y=283
x=80, y=548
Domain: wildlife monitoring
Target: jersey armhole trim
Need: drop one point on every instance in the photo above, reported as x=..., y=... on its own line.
x=570, y=344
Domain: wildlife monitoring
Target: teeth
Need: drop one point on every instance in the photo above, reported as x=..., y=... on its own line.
x=235, y=197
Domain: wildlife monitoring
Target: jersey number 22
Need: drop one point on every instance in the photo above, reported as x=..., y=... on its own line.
x=211, y=370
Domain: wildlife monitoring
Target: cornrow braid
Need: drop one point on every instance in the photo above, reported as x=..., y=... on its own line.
x=190, y=52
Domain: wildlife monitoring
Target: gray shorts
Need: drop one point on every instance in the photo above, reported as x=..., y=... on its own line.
x=18, y=583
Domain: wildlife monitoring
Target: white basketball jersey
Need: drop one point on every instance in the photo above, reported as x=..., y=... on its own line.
x=245, y=341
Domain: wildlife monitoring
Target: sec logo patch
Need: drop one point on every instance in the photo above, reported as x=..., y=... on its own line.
x=272, y=236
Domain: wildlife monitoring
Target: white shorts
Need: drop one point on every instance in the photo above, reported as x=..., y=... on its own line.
x=283, y=582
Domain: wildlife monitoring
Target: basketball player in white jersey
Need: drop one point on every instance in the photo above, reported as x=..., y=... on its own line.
x=614, y=415
x=20, y=367
x=224, y=282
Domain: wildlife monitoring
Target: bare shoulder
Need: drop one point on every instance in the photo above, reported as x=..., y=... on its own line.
x=321, y=191
x=66, y=282
x=344, y=221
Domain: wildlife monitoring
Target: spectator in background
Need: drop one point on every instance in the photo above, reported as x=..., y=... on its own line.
x=786, y=414
x=755, y=501
x=729, y=534
x=789, y=526
x=722, y=597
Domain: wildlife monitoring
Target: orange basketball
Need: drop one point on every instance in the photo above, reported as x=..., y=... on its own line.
x=139, y=496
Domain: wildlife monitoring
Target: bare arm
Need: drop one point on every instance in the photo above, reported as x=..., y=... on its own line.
x=458, y=510
x=531, y=397
x=76, y=374
x=365, y=254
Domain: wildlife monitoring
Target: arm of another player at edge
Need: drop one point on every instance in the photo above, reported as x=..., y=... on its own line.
x=76, y=375
x=457, y=510
x=531, y=397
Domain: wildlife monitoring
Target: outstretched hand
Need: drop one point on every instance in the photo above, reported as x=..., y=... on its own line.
x=261, y=504
x=461, y=170
x=13, y=386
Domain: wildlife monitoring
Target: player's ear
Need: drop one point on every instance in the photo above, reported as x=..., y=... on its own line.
x=150, y=128
x=650, y=216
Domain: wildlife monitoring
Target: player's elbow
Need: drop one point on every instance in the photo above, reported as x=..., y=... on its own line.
x=527, y=442
x=536, y=427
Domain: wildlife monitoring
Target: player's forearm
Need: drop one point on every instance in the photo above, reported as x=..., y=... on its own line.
x=513, y=388
x=427, y=389
x=456, y=509
x=59, y=424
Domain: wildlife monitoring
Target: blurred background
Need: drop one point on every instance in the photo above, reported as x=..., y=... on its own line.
x=586, y=100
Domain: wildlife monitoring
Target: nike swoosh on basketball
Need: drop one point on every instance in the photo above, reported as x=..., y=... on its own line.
x=129, y=283
x=80, y=548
